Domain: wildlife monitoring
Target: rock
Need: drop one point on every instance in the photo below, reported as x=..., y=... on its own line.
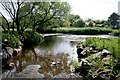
x=83, y=54
x=6, y=57
x=107, y=60
x=102, y=75
x=97, y=55
x=118, y=76
x=10, y=50
x=16, y=52
x=84, y=62
x=30, y=71
x=53, y=63
x=83, y=67
x=105, y=53
x=92, y=48
x=79, y=49
x=9, y=66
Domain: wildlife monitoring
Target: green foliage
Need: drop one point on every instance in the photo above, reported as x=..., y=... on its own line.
x=116, y=32
x=32, y=39
x=91, y=24
x=113, y=20
x=74, y=63
x=84, y=30
x=66, y=24
x=100, y=23
x=12, y=40
x=79, y=23
x=111, y=44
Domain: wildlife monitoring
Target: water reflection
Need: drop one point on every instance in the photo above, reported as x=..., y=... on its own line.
x=51, y=64
x=53, y=55
x=62, y=44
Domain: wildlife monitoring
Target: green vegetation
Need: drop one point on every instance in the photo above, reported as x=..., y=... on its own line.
x=10, y=40
x=31, y=15
x=32, y=39
x=74, y=63
x=84, y=30
x=79, y=23
x=111, y=44
x=113, y=20
x=101, y=64
x=116, y=32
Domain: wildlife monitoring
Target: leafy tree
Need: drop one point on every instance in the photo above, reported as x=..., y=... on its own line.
x=79, y=23
x=4, y=23
x=113, y=20
x=34, y=14
x=91, y=24
x=66, y=23
x=31, y=15
x=72, y=18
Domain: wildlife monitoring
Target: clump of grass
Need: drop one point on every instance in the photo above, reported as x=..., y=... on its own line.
x=74, y=63
x=111, y=44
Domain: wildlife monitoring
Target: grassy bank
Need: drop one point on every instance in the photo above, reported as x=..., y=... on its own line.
x=102, y=65
x=85, y=31
x=111, y=44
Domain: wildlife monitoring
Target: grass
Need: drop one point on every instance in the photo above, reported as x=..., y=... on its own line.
x=111, y=44
x=83, y=30
x=75, y=64
x=116, y=33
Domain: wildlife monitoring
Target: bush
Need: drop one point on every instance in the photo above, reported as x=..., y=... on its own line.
x=10, y=40
x=91, y=24
x=116, y=32
x=79, y=23
x=32, y=39
x=84, y=30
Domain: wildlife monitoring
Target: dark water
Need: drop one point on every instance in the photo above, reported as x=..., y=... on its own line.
x=60, y=49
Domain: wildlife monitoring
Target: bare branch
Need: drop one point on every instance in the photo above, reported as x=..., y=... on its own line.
x=5, y=20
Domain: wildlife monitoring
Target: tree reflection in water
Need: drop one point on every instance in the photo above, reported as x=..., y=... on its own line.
x=51, y=64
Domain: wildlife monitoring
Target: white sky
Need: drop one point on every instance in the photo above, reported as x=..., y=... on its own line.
x=94, y=9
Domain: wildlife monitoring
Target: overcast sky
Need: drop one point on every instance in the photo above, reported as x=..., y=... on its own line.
x=94, y=9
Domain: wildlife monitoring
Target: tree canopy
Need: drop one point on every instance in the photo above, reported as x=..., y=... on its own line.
x=32, y=14
x=113, y=20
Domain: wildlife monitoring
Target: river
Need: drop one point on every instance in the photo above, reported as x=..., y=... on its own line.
x=55, y=48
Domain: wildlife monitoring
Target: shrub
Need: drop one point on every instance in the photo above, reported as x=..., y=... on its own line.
x=116, y=32
x=79, y=23
x=84, y=30
x=32, y=39
x=91, y=24
x=10, y=40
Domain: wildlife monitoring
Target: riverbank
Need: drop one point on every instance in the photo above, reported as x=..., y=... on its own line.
x=83, y=31
x=97, y=60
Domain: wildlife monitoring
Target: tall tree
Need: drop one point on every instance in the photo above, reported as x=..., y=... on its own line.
x=113, y=20
x=33, y=14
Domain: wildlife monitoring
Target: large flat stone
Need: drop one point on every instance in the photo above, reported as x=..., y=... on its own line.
x=30, y=71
